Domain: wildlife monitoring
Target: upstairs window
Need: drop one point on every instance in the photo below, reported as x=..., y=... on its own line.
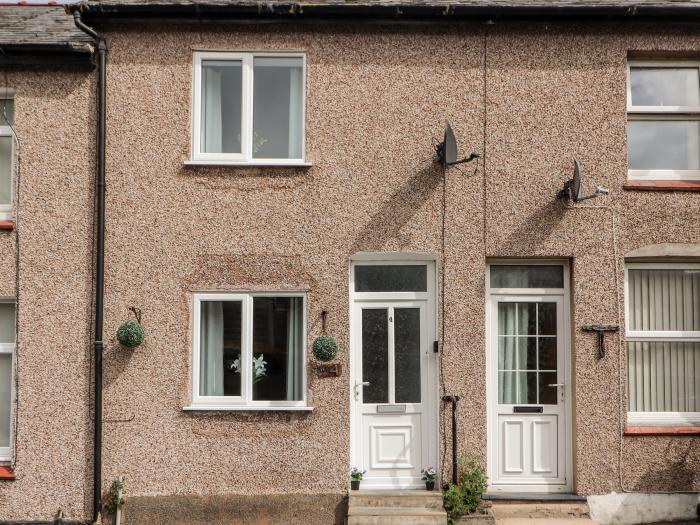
x=663, y=120
x=663, y=343
x=7, y=121
x=248, y=108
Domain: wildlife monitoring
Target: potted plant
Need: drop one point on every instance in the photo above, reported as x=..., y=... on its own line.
x=429, y=477
x=355, y=477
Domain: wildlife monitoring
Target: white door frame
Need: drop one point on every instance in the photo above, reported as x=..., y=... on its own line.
x=492, y=370
x=430, y=427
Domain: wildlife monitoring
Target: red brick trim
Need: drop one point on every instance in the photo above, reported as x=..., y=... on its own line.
x=663, y=431
x=6, y=473
x=7, y=225
x=662, y=185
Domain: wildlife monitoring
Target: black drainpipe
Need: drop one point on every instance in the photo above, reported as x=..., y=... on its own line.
x=453, y=400
x=100, y=255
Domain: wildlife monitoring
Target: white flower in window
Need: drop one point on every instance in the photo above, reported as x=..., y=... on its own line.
x=259, y=367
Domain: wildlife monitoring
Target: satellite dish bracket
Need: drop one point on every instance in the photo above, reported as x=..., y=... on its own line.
x=447, y=149
x=572, y=187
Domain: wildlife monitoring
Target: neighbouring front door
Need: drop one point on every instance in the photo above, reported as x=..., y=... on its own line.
x=393, y=368
x=528, y=380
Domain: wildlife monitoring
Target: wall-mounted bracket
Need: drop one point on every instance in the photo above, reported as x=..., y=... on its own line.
x=600, y=329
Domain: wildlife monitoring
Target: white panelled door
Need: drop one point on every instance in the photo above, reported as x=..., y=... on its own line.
x=528, y=434
x=393, y=391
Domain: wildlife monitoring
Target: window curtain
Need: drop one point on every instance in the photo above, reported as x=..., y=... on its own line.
x=512, y=319
x=295, y=113
x=664, y=376
x=211, y=367
x=212, y=111
x=294, y=354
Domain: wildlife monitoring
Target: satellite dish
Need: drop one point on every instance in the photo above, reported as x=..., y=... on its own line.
x=572, y=187
x=447, y=149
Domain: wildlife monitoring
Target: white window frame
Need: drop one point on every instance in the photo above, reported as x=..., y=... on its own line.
x=245, y=158
x=661, y=113
x=658, y=418
x=6, y=131
x=9, y=348
x=245, y=400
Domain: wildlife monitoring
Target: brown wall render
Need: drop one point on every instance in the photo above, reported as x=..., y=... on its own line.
x=54, y=124
x=376, y=97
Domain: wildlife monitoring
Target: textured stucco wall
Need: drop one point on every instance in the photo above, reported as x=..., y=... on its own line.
x=376, y=97
x=54, y=123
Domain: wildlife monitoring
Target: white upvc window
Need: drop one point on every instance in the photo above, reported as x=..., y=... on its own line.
x=7, y=352
x=249, y=108
x=663, y=343
x=663, y=120
x=249, y=351
x=7, y=120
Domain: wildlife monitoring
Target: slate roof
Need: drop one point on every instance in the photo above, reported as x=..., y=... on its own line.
x=32, y=34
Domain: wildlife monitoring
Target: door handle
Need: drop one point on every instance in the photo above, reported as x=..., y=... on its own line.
x=556, y=384
x=359, y=384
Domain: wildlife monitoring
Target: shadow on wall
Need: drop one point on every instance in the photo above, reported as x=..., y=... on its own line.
x=676, y=477
x=536, y=229
x=385, y=225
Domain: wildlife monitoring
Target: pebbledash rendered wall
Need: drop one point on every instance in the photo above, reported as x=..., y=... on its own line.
x=530, y=98
x=53, y=433
x=545, y=94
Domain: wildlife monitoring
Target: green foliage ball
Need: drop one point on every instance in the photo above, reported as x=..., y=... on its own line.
x=325, y=348
x=131, y=334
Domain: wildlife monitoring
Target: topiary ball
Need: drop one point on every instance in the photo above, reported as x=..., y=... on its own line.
x=325, y=348
x=131, y=334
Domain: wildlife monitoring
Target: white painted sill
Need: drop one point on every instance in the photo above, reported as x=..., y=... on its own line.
x=243, y=408
x=252, y=164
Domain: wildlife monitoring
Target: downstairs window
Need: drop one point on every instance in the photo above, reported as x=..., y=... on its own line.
x=663, y=343
x=248, y=350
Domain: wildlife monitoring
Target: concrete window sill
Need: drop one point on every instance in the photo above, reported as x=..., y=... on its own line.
x=693, y=430
x=260, y=164
x=7, y=225
x=223, y=408
x=6, y=473
x=662, y=185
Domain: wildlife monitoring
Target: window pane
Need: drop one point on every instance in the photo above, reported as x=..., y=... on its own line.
x=222, y=82
x=278, y=87
x=391, y=278
x=547, y=353
x=5, y=398
x=547, y=319
x=663, y=376
x=5, y=170
x=663, y=145
x=220, y=348
x=278, y=348
x=407, y=355
x=664, y=299
x=7, y=112
x=548, y=394
x=7, y=322
x=521, y=276
x=665, y=86
x=375, y=355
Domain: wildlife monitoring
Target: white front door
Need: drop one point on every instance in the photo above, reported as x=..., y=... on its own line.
x=392, y=391
x=528, y=434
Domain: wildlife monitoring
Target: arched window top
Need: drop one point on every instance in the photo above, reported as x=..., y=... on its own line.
x=667, y=250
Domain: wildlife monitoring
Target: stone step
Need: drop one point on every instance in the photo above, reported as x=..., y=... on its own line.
x=395, y=516
x=395, y=498
x=539, y=509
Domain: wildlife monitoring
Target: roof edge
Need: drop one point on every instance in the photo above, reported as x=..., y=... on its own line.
x=299, y=11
